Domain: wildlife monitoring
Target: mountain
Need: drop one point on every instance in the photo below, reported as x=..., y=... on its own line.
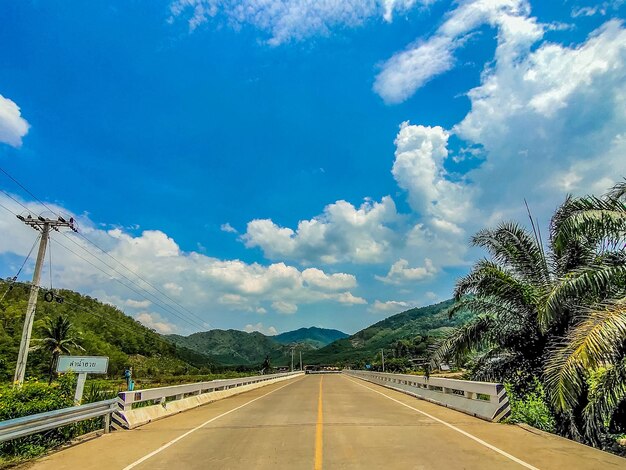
x=314, y=336
x=418, y=325
x=103, y=331
x=232, y=347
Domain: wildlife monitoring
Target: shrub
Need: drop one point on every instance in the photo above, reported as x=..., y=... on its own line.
x=530, y=408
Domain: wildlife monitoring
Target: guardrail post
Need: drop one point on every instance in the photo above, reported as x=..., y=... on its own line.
x=107, y=423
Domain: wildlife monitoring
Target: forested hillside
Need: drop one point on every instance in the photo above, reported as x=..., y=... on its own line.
x=413, y=329
x=100, y=330
x=233, y=347
x=316, y=337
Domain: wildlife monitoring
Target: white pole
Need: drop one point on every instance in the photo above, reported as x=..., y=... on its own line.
x=22, y=358
x=80, y=386
x=300, y=360
x=382, y=355
x=291, y=359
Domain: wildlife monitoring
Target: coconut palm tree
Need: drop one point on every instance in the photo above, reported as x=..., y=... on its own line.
x=57, y=338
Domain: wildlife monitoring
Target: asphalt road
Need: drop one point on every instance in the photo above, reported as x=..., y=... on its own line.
x=327, y=421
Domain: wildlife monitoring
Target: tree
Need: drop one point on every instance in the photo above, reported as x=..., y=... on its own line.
x=57, y=338
x=556, y=313
x=595, y=342
x=266, y=366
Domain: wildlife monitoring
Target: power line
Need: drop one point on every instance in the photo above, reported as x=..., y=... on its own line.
x=136, y=274
x=158, y=302
x=167, y=307
x=101, y=249
x=14, y=278
x=15, y=200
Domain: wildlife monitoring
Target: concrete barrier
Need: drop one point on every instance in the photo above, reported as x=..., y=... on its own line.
x=484, y=400
x=184, y=397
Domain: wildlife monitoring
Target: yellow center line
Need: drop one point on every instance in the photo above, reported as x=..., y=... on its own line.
x=319, y=429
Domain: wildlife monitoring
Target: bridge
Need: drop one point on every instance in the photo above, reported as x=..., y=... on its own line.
x=328, y=421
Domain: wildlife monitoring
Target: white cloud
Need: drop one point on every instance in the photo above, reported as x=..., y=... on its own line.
x=342, y=233
x=172, y=288
x=407, y=71
x=284, y=307
x=228, y=228
x=269, y=331
x=349, y=299
x=419, y=169
x=152, y=320
x=401, y=273
x=289, y=20
x=598, y=9
x=12, y=125
x=132, y=303
x=212, y=287
x=551, y=121
x=318, y=278
x=394, y=306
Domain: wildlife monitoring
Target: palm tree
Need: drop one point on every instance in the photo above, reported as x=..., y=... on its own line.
x=595, y=343
x=505, y=294
x=558, y=314
x=57, y=338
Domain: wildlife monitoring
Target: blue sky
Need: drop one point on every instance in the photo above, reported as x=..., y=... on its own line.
x=249, y=158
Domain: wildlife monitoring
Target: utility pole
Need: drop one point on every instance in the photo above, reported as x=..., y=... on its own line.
x=44, y=226
x=292, y=350
x=382, y=356
x=300, y=360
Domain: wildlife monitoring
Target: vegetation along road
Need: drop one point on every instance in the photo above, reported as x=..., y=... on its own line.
x=327, y=421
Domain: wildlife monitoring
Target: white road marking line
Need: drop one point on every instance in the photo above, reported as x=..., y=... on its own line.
x=466, y=434
x=174, y=441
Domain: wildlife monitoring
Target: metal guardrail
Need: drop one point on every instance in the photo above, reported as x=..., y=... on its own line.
x=178, y=392
x=27, y=425
x=481, y=399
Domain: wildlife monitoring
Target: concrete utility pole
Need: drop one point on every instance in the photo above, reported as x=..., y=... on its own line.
x=382, y=356
x=292, y=350
x=300, y=360
x=41, y=225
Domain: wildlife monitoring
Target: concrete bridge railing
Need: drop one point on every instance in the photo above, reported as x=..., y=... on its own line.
x=484, y=400
x=142, y=406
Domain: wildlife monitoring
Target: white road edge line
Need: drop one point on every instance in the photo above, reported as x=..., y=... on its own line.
x=174, y=441
x=466, y=434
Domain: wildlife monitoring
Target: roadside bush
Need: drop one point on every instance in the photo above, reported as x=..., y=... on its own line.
x=32, y=398
x=530, y=408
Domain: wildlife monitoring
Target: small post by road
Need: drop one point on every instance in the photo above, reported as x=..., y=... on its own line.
x=80, y=386
x=41, y=225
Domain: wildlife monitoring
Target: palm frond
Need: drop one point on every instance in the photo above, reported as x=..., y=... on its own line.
x=618, y=191
x=591, y=217
x=608, y=390
x=595, y=281
x=472, y=336
x=597, y=339
x=487, y=278
x=513, y=246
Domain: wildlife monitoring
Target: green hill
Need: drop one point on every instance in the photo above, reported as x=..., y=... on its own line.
x=232, y=347
x=104, y=331
x=314, y=336
x=417, y=325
